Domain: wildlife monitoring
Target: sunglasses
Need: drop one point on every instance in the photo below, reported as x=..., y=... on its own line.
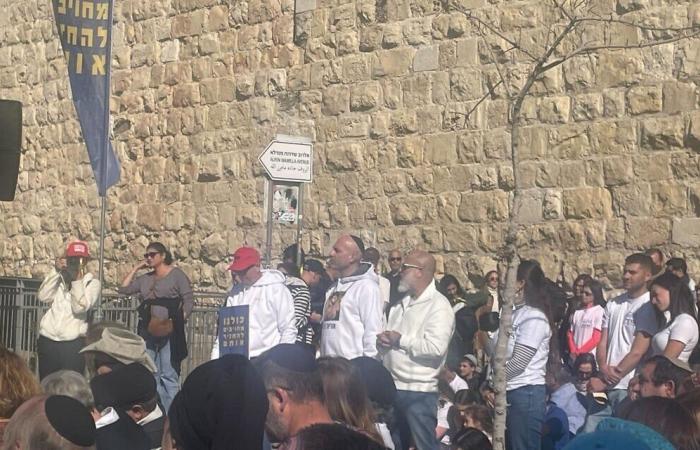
x=395, y=259
x=410, y=266
x=150, y=255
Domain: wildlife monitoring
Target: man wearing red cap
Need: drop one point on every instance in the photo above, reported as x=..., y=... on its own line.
x=70, y=291
x=271, y=307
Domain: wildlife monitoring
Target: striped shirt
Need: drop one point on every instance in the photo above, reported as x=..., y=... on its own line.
x=302, y=309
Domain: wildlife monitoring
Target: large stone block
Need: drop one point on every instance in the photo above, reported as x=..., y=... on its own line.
x=441, y=149
x=426, y=58
x=669, y=199
x=483, y=206
x=644, y=99
x=663, y=133
x=392, y=63
x=587, y=203
x=686, y=232
x=644, y=233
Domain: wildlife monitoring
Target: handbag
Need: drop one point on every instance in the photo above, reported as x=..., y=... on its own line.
x=159, y=326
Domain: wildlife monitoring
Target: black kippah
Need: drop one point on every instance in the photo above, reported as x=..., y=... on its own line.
x=292, y=357
x=70, y=419
x=359, y=243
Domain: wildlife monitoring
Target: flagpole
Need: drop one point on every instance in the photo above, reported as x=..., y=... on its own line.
x=102, y=189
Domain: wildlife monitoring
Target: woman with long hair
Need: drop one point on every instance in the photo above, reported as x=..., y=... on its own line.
x=17, y=385
x=528, y=355
x=587, y=321
x=675, y=313
x=346, y=396
x=167, y=302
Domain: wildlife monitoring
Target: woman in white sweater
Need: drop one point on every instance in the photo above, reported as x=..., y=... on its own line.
x=675, y=312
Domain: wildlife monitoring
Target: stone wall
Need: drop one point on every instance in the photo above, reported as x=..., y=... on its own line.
x=609, y=148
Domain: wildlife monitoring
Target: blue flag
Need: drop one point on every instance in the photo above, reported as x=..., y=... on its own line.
x=85, y=29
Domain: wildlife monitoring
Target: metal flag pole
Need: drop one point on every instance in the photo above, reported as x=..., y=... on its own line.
x=102, y=189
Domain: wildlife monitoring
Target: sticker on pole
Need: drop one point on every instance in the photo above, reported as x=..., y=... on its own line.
x=288, y=161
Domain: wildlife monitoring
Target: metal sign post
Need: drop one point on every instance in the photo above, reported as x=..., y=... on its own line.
x=287, y=159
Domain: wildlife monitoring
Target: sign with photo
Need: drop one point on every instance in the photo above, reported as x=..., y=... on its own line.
x=285, y=203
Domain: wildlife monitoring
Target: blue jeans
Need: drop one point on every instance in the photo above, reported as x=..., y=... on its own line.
x=415, y=417
x=167, y=380
x=526, y=406
x=615, y=397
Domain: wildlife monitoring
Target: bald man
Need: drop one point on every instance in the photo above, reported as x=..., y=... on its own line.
x=415, y=348
x=352, y=314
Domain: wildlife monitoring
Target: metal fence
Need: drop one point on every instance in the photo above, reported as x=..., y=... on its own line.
x=21, y=311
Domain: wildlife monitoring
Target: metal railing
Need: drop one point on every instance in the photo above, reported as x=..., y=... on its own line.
x=21, y=311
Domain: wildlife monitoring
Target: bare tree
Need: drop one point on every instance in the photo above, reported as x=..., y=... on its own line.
x=572, y=28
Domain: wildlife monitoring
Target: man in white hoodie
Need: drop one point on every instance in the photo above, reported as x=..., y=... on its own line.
x=414, y=348
x=352, y=314
x=271, y=307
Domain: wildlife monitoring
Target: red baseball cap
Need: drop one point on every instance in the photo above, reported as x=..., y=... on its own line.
x=243, y=258
x=78, y=248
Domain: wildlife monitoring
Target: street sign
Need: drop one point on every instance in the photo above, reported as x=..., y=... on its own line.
x=289, y=159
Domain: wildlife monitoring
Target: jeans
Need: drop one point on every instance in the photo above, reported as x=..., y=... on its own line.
x=167, y=380
x=526, y=406
x=615, y=397
x=415, y=417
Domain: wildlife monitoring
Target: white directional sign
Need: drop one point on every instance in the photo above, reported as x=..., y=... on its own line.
x=288, y=160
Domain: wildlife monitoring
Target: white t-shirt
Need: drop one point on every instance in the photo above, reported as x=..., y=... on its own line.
x=442, y=421
x=584, y=322
x=625, y=316
x=530, y=328
x=683, y=329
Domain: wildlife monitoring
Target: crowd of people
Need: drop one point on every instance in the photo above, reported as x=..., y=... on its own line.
x=338, y=355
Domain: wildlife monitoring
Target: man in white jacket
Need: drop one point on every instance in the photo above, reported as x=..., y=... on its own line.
x=414, y=348
x=352, y=314
x=271, y=307
x=70, y=292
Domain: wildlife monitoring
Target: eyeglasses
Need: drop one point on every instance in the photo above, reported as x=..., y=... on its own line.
x=405, y=266
x=395, y=258
x=150, y=255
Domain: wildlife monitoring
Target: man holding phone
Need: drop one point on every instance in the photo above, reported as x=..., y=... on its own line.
x=70, y=292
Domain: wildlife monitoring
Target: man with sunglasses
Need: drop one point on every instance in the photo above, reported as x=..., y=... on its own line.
x=271, y=306
x=414, y=348
x=394, y=275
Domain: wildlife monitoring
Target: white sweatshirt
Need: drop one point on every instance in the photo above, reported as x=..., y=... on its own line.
x=426, y=324
x=352, y=316
x=270, y=313
x=66, y=318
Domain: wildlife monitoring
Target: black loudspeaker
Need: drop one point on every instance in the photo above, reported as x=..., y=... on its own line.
x=10, y=146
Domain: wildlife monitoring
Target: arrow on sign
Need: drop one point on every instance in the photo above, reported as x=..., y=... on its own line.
x=288, y=161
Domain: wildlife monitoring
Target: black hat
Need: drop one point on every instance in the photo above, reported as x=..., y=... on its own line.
x=315, y=266
x=377, y=379
x=124, y=387
x=222, y=405
x=291, y=357
x=70, y=419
